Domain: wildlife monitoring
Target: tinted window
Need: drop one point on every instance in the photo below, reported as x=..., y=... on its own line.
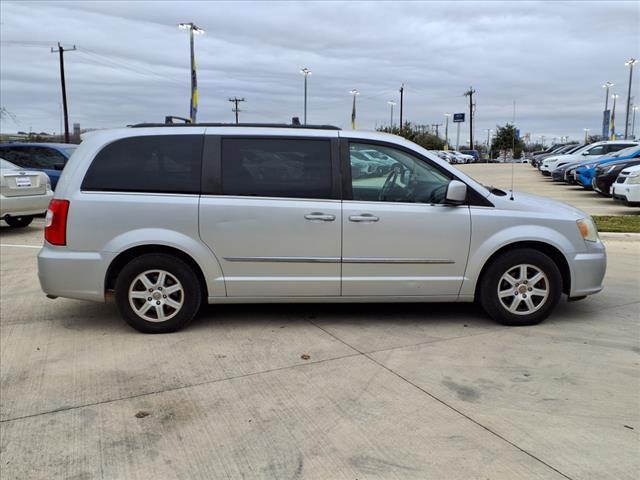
x=163, y=164
x=615, y=147
x=385, y=174
x=271, y=167
x=46, y=158
x=17, y=155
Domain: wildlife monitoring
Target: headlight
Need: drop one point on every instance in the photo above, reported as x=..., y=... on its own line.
x=634, y=178
x=587, y=229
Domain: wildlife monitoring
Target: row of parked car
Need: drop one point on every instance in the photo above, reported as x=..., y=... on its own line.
x=610, y=168
x=29, y=173
x=453, y=156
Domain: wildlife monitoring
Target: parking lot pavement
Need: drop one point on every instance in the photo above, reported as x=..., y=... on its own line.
x=388, y=391
x=528, y=179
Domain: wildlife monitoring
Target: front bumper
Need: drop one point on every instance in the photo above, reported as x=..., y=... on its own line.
x=70, y=274
x=588, y=270
x=627, y=193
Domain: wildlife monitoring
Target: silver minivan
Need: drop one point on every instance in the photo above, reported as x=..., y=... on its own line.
x=165, y=217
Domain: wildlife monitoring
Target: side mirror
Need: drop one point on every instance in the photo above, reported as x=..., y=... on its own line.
x=456, y=192
x=585, y=153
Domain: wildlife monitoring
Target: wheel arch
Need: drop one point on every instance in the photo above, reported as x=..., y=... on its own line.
x=551, y=251
x=124, y=257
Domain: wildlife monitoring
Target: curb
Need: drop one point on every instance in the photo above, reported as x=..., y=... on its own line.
x=619, y=236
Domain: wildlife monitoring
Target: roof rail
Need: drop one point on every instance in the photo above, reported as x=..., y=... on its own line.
x=264, y=125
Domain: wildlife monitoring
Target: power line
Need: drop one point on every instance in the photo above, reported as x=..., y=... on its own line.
x=235, y=109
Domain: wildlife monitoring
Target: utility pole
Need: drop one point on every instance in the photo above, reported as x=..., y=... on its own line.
x=401, y=106
x=469, y=93
x=355, y=93
x=235, y=109
x=446, y=131
x=61, y=51
x=629, y=63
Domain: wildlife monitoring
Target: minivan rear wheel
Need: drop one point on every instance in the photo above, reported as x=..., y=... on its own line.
x=521, y=287
x=158, y=293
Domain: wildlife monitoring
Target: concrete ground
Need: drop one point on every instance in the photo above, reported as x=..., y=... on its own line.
x=387, y=391
x=528, y=179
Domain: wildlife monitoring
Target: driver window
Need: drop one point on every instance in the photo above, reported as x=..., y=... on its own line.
x=385, y=174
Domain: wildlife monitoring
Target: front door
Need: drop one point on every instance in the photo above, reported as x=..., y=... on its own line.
x=399, y=237
x=275, y=224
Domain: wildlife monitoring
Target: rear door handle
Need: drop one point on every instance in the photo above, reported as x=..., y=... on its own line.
x=324, y=217
x=365, y=217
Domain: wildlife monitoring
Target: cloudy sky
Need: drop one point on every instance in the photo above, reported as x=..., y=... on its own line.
x=132, y=62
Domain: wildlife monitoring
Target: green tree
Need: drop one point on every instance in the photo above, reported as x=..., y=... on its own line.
x=505, y=140
x=416, y=134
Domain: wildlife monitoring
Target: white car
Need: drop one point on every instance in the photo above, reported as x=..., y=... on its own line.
x=461, y=157
x=23, y=194
x=626, y=188
x=592, y=151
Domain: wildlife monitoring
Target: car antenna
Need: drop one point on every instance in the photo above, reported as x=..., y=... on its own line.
x=513, y=147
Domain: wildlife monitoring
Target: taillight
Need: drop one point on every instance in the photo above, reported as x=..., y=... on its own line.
x=55, y=229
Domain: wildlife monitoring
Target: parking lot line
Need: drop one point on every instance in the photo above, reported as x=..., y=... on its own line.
x=19, y=246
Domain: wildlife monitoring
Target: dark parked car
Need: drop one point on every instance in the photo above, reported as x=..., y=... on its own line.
x=607, y=173
x=49, y=158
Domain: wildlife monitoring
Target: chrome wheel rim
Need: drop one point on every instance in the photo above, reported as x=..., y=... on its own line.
x=156, y=296
x=523, y=289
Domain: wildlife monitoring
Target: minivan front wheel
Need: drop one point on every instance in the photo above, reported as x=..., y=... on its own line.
x=521, y=287
x=158, y=293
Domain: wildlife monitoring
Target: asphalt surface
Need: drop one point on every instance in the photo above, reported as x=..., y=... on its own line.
x=318, y=391
x=529, y=180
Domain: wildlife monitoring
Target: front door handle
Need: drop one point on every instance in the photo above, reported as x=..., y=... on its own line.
x=324, y=217
x=365, y=217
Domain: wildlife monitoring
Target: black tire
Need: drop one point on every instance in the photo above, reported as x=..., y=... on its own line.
x=491, y=278
x=190, y=296
x=19, y=222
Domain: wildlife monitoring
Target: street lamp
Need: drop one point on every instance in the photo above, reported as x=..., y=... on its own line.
x=613, y=117
x=391, y=103
x=633, y=122
x=446, y=131
x=489, y=130
x=354, y=93
x=306, y=72
x=193, y=104
x=629, y=63
x=586, y=135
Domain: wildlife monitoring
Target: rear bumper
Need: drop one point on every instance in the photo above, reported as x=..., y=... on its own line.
x=27, y=205
x=69, y=274
x=588, y=271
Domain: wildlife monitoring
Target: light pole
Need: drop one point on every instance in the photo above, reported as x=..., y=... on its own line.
x=613, y=117
x=629, y=63
x=391, y=103
x=586, y=135
x=633, y=122
x=489, y=142
x=193, y=103
x=605, y=114
x=306, y=72
x=354, y=93
x=446, y=131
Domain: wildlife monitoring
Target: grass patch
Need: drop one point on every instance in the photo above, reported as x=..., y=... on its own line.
x=618, y=223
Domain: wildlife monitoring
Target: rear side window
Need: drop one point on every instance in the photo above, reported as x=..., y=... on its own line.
x=17, y=155
x=271, y=167
x=154, y=164
x=47, y=158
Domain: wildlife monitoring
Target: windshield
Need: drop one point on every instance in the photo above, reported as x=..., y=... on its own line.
x=7, y=165
x=626, y=151
x=68, y=151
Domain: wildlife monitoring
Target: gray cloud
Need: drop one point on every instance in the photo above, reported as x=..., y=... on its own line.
x=132, y=62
